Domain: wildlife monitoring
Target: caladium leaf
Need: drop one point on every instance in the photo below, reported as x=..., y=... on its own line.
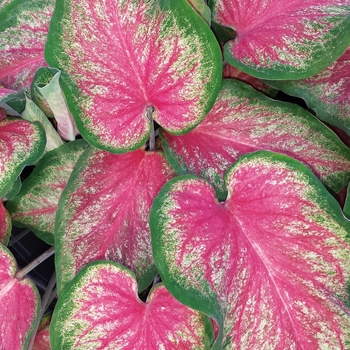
x=346, y=209
x=285, y=39
x=327, y=93
x=235, y=73
x=42, y=77
x=123, y=60
x=2, y=114
x=202, y=9
x=20, y=305
x=13, y=99
x=244, y=120
x=53, y=94
x=36, y=204
x=5, y=224
x=101, y=310
x=23, y=31
x=103, y=213
x=14, y=190
x=33, y=113
x=42, y=338
x=270, y=265
x=21, y=143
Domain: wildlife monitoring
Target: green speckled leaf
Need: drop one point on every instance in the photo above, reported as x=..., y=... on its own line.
x=16, y=187
x=122, y=59
x=243, y=120
x=270, y=264
x=36, y=204
x=21, y=143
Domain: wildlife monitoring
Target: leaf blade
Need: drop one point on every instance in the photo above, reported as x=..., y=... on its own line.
x=274, y=254
x=159, y=67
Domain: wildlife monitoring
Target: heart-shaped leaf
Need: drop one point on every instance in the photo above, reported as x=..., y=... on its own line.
x=284, y=39
x=104, y=213
x=20, y=305
x=100, y=309
x=327, y=93
x=243, y=120
x=270, y=265
x=5, y=224
x=122, y=61
x=36, y=204
x=23, y=31
x=21, y=143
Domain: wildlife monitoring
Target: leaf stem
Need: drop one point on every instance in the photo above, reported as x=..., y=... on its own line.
x=32, y=265
x=18, y=237
x=44, y=303
x=152, y=138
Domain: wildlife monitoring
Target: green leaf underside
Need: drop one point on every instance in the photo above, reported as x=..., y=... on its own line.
x=243, y=120
x=52, y=92
x=21, y=143
x=23, y=31
x=104, y=211
x=271, y=264
x=36, y=204
x=100, y=309
x=33, y=113
x=327, y=93
x=5, y=224
x=202, y=9
x=12, y=98
x=147, y=54
x=20, y=305
x=42, y=77
x=285, y=39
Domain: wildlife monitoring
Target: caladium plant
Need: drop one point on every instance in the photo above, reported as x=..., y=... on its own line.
x=192, y=212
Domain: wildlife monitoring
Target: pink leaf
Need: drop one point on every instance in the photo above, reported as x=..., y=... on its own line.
x=284, y=39
x=120, y=59
x=243, y=120
x=327, y=93
x=103, y=213
x=270, y=265
x=5, y=224
x=20, y=304
x=23, y=27
x=42, y=338
x=21, y=143
x=101, y=310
